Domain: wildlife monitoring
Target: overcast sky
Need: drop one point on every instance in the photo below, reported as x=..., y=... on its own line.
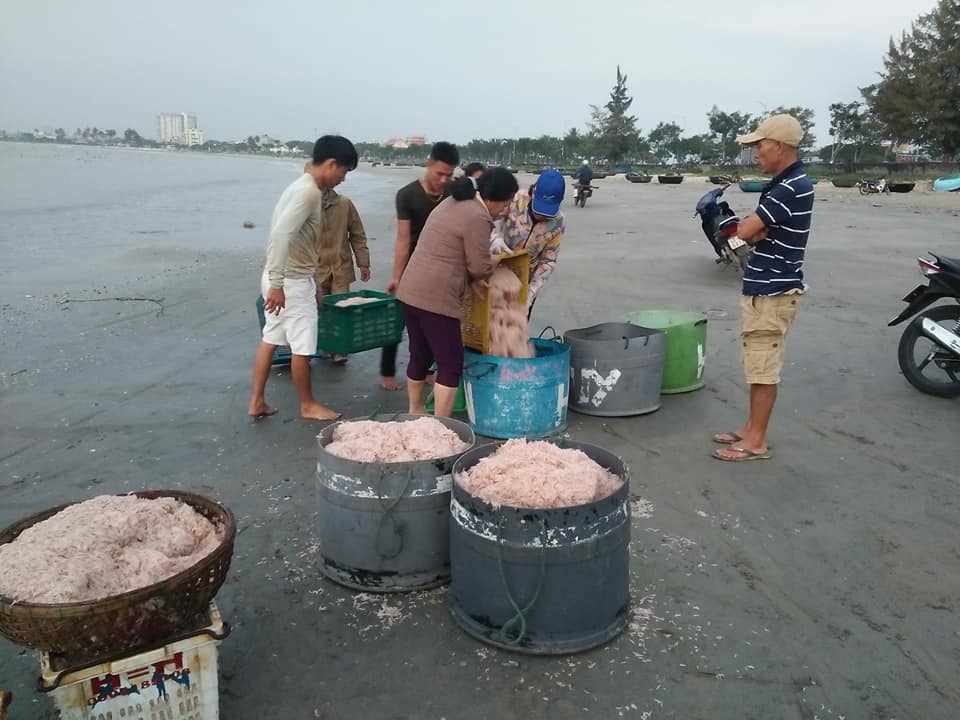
x=455, y=70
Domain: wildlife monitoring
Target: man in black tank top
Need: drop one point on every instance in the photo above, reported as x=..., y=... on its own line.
x=415, y=202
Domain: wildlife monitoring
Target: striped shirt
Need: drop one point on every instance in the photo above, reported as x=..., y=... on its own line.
x=776, y=265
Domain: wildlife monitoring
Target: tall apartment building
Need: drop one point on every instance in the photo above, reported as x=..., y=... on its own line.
x=172, y=126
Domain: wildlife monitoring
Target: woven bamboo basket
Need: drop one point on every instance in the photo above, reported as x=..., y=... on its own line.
x=121, y=622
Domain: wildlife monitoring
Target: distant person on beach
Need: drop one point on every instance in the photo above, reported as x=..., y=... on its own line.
x=533, y=222
x=288, y=283
x=452, y=259
x=342, y=241
x=474, y=170
x=415, y=202
x=584, y=175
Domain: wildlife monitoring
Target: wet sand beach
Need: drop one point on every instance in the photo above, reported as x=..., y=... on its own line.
x=822, y=583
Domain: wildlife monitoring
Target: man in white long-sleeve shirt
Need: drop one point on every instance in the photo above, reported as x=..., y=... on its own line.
x=289, y=290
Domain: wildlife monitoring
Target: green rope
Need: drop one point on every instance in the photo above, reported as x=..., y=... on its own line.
x=519, y=619
x=388, y=517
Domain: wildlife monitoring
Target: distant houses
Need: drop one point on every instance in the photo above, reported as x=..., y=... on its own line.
x=399, y=143
x=906, y=152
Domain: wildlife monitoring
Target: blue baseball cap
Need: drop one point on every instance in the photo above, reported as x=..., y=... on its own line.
x=548, y=193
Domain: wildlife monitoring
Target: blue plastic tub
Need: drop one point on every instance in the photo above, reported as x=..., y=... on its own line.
x=517, y=398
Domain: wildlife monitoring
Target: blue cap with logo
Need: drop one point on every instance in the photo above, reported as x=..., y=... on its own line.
x=548, y=193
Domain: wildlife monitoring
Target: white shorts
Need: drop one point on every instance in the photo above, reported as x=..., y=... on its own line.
x=296, y=325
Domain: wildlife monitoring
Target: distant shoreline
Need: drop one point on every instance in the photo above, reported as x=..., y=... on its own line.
x=365, y=164
x=163, y=150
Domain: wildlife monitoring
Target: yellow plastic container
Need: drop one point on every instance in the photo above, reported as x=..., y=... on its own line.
x=475, y=328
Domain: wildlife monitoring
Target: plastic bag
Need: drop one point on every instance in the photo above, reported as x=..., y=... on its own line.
x=498, y=246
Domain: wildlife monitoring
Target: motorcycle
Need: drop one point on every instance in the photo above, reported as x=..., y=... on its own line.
x=934, y=333
x=581, y=191
x=872, y=187
x=720, y=225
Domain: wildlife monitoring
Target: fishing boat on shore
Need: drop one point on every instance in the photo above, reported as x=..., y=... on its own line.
x=948, y=183
x=752, y=186
x=901, y=187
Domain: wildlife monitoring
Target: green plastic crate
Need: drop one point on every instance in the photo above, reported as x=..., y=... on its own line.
x=347, y=330
x=282, y=355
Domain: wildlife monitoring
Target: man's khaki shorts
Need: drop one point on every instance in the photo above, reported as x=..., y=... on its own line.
x=764, y=324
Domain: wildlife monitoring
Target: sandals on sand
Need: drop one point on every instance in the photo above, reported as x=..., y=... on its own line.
x=727, y=438
x=743, y=455
x=336, y=359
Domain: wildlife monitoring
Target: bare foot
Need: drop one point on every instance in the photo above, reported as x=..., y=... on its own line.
x=261, y=409
x=422, y=410
x=389, y=383
x=318, y=412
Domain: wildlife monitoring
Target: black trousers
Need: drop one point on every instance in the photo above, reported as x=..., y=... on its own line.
x=388, y=361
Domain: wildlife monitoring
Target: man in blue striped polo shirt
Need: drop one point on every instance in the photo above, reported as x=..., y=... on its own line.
x=773, y=283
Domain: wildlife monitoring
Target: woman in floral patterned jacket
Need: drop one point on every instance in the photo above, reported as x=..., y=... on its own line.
x=533, y=222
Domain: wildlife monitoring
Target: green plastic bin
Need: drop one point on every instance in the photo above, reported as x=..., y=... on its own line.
x=353, y=329
x=348, y=330
x=686, y=346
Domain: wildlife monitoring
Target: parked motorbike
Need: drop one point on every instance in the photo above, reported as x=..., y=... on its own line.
x=720, y=225
x=932, y=339
x=872, y=187
x=581, y=191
